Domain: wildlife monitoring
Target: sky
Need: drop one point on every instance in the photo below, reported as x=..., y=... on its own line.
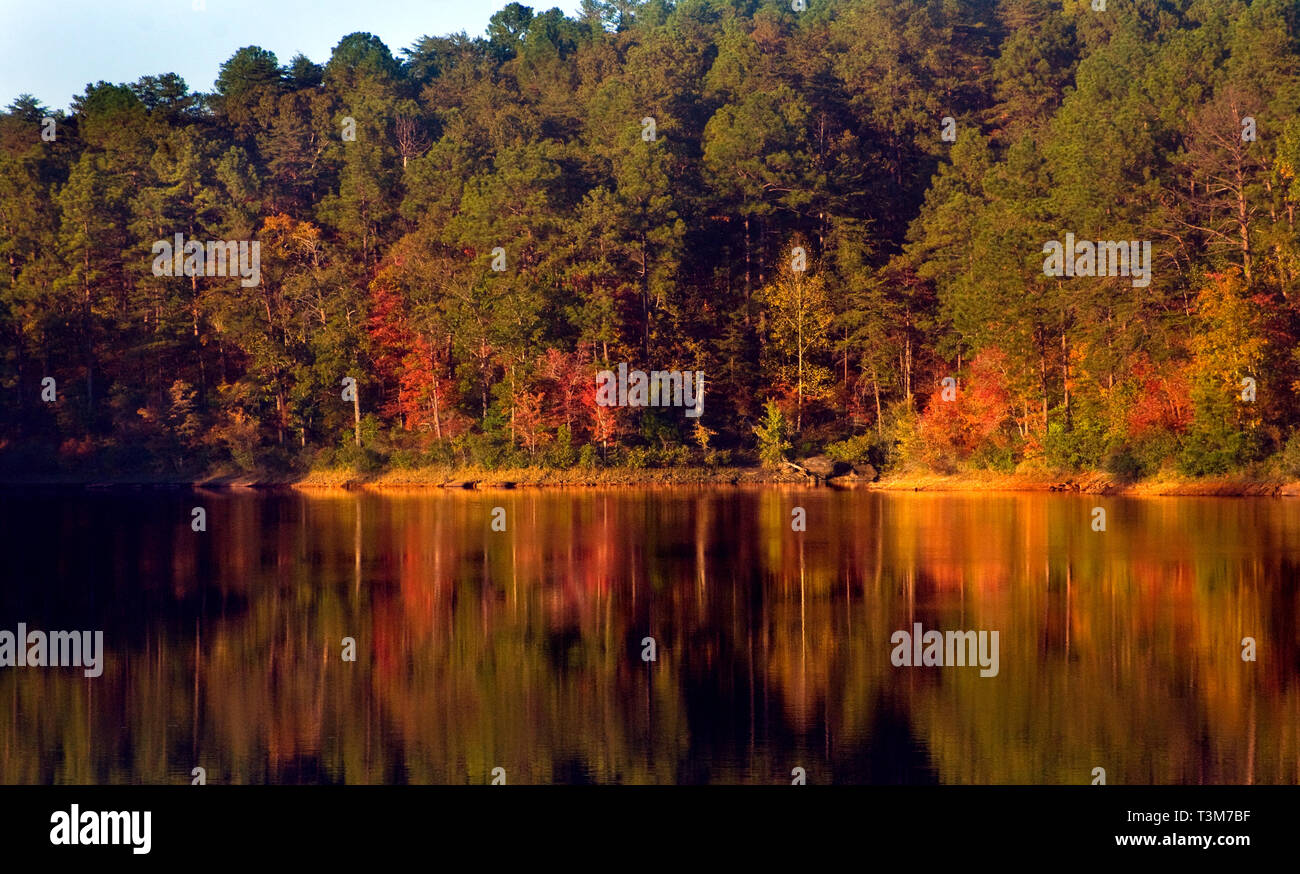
x=54, y=48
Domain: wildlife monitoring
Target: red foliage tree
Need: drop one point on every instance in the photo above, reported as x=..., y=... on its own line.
x=979, y=416
x=424, y=399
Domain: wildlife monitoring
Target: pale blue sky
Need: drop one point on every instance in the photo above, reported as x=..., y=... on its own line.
x=52, y=48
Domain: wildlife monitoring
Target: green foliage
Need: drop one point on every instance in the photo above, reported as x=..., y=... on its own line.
x=561, y=453
x=249, y=68
x=1215, y=443
x=1157, y=451
x=1290, y=456
x=773, y=435
x=903, y=443
x=862, y=448
x=1084, y=443
x=1003, y=459
x=718, y=457
x=360, y=459
x=1123, y=464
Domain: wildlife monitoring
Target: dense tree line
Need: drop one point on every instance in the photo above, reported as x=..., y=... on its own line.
x=644, y=179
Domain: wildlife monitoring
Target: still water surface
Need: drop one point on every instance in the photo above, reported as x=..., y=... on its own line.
x=523, y=649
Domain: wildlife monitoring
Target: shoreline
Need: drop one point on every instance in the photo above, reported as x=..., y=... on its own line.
x=435, y=478
x=1090, y=483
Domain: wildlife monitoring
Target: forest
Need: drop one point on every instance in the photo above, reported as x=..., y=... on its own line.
x=835, y=210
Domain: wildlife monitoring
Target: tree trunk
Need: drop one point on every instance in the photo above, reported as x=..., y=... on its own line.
x=1243, y=220
x=356, y=411
x=645, y=298
x=907, y=369
x=1042, y=375
x=747, y=272
x=798, y=417
x=875, y=388
x=87, y=327
x=1065, y=380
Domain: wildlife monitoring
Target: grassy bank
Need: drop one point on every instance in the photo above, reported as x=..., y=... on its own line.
x=475, y=477
x=1092, y=483
x=427, y=477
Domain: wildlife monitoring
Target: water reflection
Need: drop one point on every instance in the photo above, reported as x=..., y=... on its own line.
x=478, y=649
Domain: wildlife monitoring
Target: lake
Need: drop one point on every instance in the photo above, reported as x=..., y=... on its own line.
x=524, y=649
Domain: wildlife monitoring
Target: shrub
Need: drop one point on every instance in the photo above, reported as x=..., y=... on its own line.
x=361, y=459
x=903, y=444
x=637, y=458
x=440, y=453
x=1211, y=450
x=561, y=454
x=1082, y=446
x=404, y=459
x=672, y=456
x=1221, y=436
x=1155, y=450
x=1000, y=458
x=867, y=448
x=1123, y=463
x=241, y=439
x=773, y=435
x=1290, y=456
x=277, y=460
x=717, y=457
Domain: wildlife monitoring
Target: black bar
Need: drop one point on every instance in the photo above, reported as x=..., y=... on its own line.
x=612, y=827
